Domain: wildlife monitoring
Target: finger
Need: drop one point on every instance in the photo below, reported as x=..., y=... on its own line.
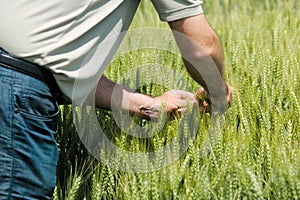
x=204, y=108
x=201, y=93
x=229, y=95
x=185, y=103
x=182, y=94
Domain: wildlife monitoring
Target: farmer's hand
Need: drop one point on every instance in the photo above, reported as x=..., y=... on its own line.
x=174, y=102
x=205, y=100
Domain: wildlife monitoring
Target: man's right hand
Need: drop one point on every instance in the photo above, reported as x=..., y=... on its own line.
x=205, y=100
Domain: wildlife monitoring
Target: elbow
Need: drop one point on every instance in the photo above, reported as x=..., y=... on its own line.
x=210, y=53
x=209, y=47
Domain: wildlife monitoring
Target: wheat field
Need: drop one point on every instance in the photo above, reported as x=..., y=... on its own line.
x=256, y=154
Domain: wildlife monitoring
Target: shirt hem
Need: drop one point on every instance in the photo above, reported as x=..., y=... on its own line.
x=180, y=14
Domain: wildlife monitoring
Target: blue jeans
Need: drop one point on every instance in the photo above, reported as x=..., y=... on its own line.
x=28, y=149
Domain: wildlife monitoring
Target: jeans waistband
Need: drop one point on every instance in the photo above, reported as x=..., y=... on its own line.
x=12, y=62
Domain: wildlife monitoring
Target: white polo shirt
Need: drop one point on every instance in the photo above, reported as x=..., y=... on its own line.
x=75, y=39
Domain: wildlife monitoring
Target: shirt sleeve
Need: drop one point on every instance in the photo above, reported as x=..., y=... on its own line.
x=170, y=10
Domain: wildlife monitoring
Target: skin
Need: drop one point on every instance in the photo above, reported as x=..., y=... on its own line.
x=202, y=43
x=140, y=104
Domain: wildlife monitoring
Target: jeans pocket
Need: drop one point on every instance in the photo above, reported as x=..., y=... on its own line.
x=36, y=103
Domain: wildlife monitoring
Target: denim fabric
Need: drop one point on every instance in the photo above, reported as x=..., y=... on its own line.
x=28, y=150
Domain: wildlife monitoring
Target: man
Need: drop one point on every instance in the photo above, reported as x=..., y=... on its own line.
x=64, y=37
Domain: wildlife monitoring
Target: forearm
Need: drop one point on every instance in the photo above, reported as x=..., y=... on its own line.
x=202, y=53
x=110, y=94
x=200, y=48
